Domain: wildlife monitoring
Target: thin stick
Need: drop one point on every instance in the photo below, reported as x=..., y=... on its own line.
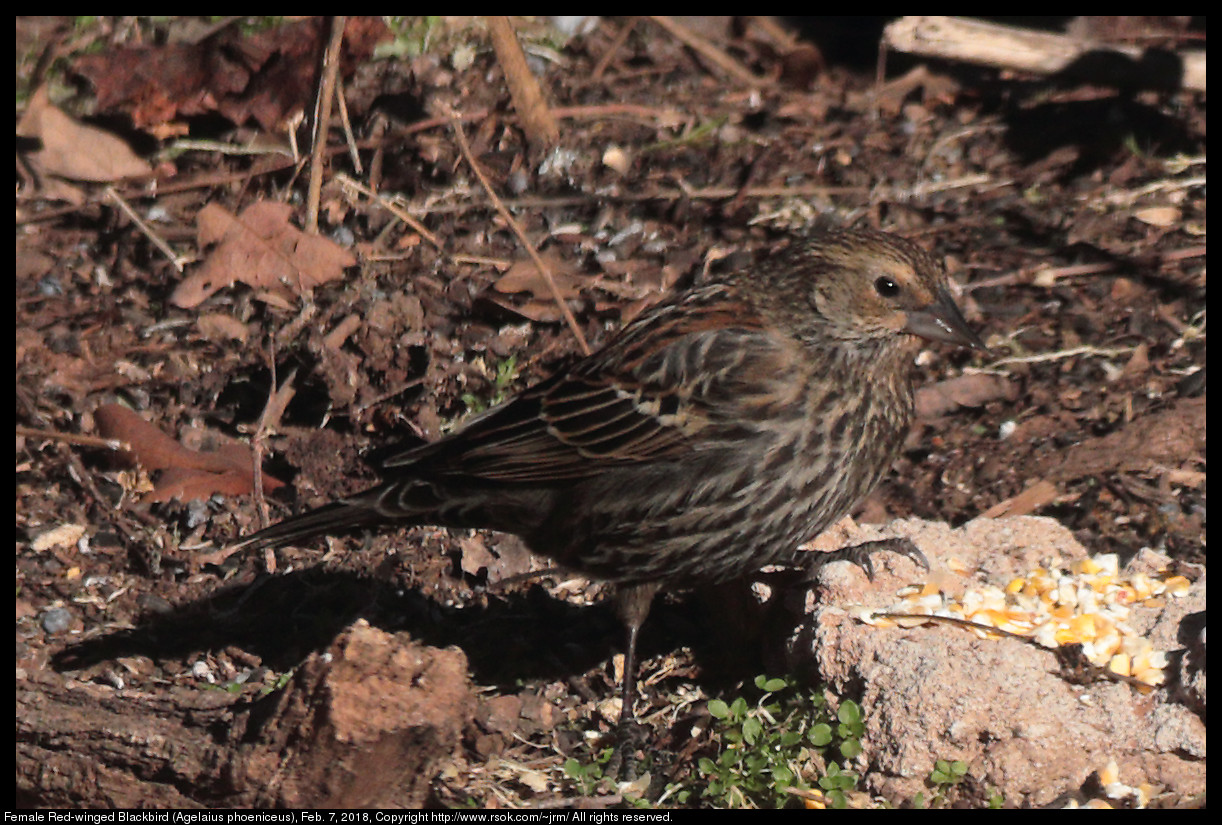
x=543, y=268
x=349, y=138
x=613, y=49
x=1016, y=49
x=1044, y=357
x=145, y=228
x=537, y=121
x=330, y=71
x=710, y=52
x=72, y=438
x=392, y=209
x=705, y=193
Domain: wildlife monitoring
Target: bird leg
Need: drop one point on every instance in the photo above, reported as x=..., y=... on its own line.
x=632, y=603
x=859, y=554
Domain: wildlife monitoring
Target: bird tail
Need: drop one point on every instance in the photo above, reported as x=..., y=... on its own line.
x=335, y=518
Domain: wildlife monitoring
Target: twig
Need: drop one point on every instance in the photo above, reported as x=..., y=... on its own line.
x=537, y=121
x=618, y=43
x=309, y=309
x=349, y=138
x=322, y=117
x=72, y=438
x=222, y=148
x=373, y=402
x=1042, y=357
x=1181, y=254
x=543, y=268
x=1009, y=47
x=401, y=214
x=483, y=260
x=290, y=129
x=752, y=173
x=1044, y=276
x=594, y=111
x=703, y=193
x=145, y=228
x=710, y=52
x=778, y=34
x=1129, y=196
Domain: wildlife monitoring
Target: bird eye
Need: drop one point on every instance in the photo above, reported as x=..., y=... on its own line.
x=887, y=287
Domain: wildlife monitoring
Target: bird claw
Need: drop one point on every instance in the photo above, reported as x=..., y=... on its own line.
x=859, y=554
x=630, y=736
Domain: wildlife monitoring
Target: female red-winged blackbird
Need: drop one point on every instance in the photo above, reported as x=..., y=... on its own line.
x=712, y=436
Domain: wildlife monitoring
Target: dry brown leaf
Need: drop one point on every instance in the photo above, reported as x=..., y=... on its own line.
x=475, y=554
x=524, y=277
x=343, y=331
x=217, y=326
x=1163, y=217
x=261, y=248
x=75, y=150
x=890, y=97
x=971, y=390
x=187, y=473
x=268, y=75
x=194, y=485
x=1035, y=496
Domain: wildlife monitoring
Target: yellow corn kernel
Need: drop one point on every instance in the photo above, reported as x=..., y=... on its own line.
x=1062, y=612
x=1086, y=567
x=1178, y=586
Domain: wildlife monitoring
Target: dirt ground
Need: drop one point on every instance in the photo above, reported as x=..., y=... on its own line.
x=1070, y=209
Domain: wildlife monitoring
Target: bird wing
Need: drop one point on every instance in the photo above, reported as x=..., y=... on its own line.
x=676, y=370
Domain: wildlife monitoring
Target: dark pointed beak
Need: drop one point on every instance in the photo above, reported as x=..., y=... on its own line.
x=942, y=321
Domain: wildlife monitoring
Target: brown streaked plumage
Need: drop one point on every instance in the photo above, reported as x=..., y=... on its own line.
x=712, y=436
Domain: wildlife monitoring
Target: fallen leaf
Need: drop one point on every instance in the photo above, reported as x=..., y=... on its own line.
x=1160, y=216
x=890, y=96
x=261, y=248
x=525, y=277
x=268, y=75
x=65, y=535
x=970, y=390
x=187, y=474
x=1032, y=498
x=74, y=150
x=216, y=326
x=475, y=554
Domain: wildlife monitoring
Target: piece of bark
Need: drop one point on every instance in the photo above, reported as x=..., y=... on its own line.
x=367, y=723
x=1017, y=49
x=537, y=120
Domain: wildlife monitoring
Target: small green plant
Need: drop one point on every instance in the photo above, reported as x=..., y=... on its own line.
x=410, y=37
x=695, y=136
x=780, y=744
x=591, y=779
x=587, y=776
x=944, y=776
x=281, y=680
x=506, y=373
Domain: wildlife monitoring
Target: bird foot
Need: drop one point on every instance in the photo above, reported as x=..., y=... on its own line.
x=630, y=736
x=859, y=554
